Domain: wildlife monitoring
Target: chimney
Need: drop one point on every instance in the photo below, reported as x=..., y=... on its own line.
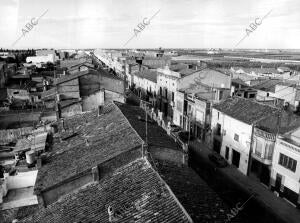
x=145, y=150
x=57, y=97
x=63, y=125
x=95, y=173
x=112, y=217
x=58, y=111
x=86, y=142
x=39, y=162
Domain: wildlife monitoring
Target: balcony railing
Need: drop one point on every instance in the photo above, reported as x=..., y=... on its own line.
x=265, y=157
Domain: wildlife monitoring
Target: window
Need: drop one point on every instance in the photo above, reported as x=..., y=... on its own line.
x=251, y=95
x=172, y=96
x=258, y=148
x=179, y=105
x=189, y=108
x=220, y=95
x=166, y=92
x=269, y=150
x=236, y=137
x=287, y=162
x=268, y=94
x=160, y=90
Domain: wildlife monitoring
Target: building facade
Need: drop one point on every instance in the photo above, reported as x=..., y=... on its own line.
x=285, y=169
x=261, y=156
x=233, y=126
x=231, y=139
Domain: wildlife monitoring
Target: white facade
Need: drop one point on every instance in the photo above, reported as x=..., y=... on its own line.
x=167, y=79
x=178, y=108
x=286, y=160
x=145, y=84
x=41, y=59
x=236, y=135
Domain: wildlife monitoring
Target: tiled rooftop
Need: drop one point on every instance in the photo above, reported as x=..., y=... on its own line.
x=200, y=91
x=7, y=216
x=213, y=78
x=269, y=85
x=245, y=110
x=288, y=122
x=82, y=73
x=199, y=200
x=108, y=135
x=135, y=193
x=147, y=74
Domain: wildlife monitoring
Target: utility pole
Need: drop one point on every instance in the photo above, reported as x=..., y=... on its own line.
x=146, y=119
x=189, y=126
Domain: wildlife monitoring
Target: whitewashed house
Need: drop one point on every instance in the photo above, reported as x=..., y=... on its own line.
x=285, y=176
x=232, y=126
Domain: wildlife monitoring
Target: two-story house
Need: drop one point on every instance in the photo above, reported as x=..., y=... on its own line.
x=193, y=101
x=146, y=85
x=232, y=123
x=285, y=176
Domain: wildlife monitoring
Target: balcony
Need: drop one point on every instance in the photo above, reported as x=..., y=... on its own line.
x=263, y=158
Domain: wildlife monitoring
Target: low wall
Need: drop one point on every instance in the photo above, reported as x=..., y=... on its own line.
x=166, y=154
x=54, y=194
x=12, y=117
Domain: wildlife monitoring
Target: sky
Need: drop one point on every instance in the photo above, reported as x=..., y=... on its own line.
x=69, y=24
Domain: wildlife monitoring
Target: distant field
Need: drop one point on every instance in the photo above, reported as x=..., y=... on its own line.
x=279, y=55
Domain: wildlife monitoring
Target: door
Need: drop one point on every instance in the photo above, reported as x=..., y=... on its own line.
x=227, y=152
x=217, y=146
x=236, y=158
x=278, y=182
x=265, y=175
x=166, y=108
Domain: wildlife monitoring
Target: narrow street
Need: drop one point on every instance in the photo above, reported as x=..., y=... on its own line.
x=232, y=192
